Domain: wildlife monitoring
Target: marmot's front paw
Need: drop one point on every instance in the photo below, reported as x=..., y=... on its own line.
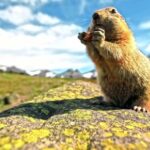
x=98, y=37
x=85, y=37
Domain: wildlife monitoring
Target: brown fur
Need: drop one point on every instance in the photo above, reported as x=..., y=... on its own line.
x=123, y=71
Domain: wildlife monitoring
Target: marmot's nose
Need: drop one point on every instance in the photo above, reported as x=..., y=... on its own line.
x=95, y=16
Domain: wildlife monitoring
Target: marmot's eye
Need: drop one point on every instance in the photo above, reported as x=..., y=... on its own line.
x=113, y=11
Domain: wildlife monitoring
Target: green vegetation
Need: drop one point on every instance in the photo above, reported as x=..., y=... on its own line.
x=17, y=88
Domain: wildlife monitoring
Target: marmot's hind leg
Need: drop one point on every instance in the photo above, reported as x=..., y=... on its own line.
x=139, y=109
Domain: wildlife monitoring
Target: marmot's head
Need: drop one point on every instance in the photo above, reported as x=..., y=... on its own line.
x=112, y=22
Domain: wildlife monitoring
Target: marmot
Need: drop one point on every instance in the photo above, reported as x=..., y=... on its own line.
x=123, y=71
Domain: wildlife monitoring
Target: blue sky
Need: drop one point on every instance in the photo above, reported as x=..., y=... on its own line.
x=42, y=34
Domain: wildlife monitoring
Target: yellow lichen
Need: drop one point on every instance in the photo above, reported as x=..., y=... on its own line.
x=7, y=146
x=69, y=141
x=2, y=125
x=34, y=135
x=140, y=146
x=135, y=124
x=119, y=132
x=4, y=140
x=107, y=134
x=82, y=114
x=48, y=148
x=83, y=135
x=18, y=143
x=68, y=132
x=130, y=127
x=111, y=117
x=30, y=119
x=109, y=144
x=81, y=146
x=103, y=125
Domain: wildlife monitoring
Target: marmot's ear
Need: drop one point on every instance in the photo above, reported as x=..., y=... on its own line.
x=113, y=11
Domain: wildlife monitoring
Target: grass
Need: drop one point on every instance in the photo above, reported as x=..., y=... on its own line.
x=18, y=88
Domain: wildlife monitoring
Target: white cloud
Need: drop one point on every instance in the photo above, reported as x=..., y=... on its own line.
x=45, y=19
x=16, y=14
x=52, y=62
x=143, y=43
x=52, y=48
x=31, y=3
x=147, y=49
x=21, y=14
x=30, y=28
x=145, y=25
x=27, y=2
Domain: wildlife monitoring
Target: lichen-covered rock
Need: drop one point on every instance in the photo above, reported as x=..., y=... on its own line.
x=70, y=118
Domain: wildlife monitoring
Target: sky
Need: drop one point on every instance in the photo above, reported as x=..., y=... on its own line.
x=42, y=34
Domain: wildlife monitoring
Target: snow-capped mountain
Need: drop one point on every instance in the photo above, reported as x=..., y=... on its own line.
x=90, y=74
x=42, y=73
x=70, y=73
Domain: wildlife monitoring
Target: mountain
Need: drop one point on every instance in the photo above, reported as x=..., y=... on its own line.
x=14, y=69
x=70, y=73
x=42, y=73
x=90, y=74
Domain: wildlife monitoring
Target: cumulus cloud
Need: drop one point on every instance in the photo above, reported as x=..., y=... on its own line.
x=25, y=2
x=16, y=14
x=54, y=47
x=53, y=62
x=21, y=14
x=30, y=28
x=145, y=25
x=45, y=19
x=39, y=40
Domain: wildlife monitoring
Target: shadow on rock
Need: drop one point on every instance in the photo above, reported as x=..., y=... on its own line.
x=45, y=110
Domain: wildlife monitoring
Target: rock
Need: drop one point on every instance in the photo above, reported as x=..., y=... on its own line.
x=66, y=118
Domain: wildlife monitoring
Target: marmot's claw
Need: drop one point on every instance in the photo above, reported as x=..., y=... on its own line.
x=98, y=36
x=139, y=109
x=99, y=29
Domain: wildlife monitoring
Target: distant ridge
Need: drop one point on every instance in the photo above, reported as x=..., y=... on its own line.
x=69, y=73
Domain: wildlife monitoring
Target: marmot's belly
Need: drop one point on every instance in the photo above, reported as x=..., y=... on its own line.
x=120, y=93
